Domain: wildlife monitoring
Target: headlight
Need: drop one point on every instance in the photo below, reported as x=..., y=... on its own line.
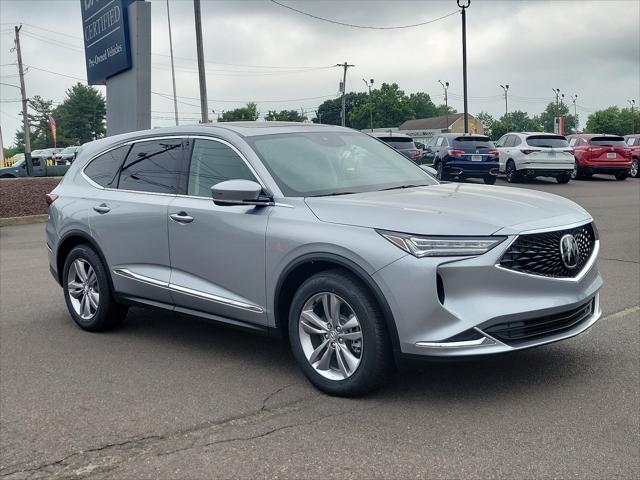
x=436, y=246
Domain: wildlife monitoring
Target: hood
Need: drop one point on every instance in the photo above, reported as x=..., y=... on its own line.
x=450, y=209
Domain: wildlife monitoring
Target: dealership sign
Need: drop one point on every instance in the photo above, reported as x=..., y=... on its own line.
x=106, y=38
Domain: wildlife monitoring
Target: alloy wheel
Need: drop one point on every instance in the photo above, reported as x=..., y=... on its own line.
x=574, y=172
x=510, y=173
x=330, y=336
x=84, y=293
x=635, y=167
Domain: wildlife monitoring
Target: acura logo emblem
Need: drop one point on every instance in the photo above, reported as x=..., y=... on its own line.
x=569, y=251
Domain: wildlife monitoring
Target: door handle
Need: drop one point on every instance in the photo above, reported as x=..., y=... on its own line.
x=102, y=208
x=181, y=217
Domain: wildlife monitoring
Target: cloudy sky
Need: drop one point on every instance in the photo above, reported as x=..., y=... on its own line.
x=257, y=50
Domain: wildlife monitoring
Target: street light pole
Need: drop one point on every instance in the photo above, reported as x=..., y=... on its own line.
x=575, y=110
x=464, y=4
x=369, y=85
x=201, y=73
x=344, y=65
x=25, y=117
x=633, y=104
x=506, y=101
x=445, y=86
x=173, y=70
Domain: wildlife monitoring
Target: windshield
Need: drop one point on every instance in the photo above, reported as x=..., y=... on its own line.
x=472, y=142
x=608, y=142
x=548, y=141
x=334, y=163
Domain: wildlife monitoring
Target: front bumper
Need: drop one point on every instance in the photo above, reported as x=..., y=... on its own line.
x=450, y=317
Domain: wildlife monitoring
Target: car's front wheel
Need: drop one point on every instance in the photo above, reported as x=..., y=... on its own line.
x=87, y=292
x=440, y=175
x=338, y=336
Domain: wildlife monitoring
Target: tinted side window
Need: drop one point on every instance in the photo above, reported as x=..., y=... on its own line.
x=572, y=142
x=516, y=141
x=35, y=161
x=154, y=166
x=439, y=141
x=104, y=169
x=214, y=162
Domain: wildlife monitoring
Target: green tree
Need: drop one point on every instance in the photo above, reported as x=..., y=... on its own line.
x=546, y=118
x=284, y=116
x=442, y=110
x=487, y=121
x=391, y=107
x=248, y=112
x=81, y=117
x=423, y=106
x=614, y=120
x=329, y=111
x=38, y=125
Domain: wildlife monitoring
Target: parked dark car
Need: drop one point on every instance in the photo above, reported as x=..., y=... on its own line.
x=401, y=142
x=594, y=153
x=633, y=142
x=459, y=156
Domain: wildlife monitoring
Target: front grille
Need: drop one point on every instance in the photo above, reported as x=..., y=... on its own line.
x=526, y=330
x=539, y=253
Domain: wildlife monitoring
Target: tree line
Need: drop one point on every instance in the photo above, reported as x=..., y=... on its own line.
x=81, y=117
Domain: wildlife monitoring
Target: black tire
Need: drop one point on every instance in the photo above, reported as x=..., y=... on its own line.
x=511, y=173
x=622, y=175
x=108, y=314
x=635, y=168
x=440, y=175
x=563, y=179
x=376, y=359
x=490, y=180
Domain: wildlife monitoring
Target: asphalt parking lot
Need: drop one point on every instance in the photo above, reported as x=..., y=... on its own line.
x=171, y=397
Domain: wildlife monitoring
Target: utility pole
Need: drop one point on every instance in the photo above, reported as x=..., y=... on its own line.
x=319, y=116
x=633, y=104
x=445, y=86
x=344, y=65
x=464, y=4
x=557, y=112
x=369, y=85
x=173, y=70
x=506, y=100
x=201, y=72
x=557, y=92
x=575, y=110
x=25, y=118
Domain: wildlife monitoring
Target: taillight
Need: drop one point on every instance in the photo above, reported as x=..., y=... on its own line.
x=456, y=153
x=50, y=197
x=493, y=153
x=528, y=151
x=414, y=153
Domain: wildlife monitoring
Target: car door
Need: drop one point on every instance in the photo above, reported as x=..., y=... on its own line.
x=502, y=160
x=128, y=215
x=218, y=252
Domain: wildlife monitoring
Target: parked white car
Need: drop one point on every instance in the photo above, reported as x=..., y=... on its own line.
x=535, y=154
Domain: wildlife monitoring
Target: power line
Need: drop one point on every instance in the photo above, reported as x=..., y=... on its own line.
x=362, y=26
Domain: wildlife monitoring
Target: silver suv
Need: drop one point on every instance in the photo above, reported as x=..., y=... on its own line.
x=322, y=235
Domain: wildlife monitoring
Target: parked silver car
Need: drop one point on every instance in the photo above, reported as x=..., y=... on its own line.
x=323, y=235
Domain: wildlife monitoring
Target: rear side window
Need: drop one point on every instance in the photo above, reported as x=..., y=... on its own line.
x=104, y=169
x=608, y=141
x=154, y=166
x=399, y=142
x=548, y=141
x=472, y=142
x=631, y=141
x=214, y=162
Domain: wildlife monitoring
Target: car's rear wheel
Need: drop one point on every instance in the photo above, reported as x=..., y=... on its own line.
x=562, y=179
x=490, y=179
x=338, y=336
x=440, y=171
x=622, y=175
x=510, y=172
x=635, y=168
x=87, y=292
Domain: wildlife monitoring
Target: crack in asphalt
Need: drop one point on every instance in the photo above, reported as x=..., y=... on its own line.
x=619, y=260
x=201, y=430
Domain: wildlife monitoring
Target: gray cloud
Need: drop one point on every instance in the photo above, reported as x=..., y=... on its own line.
x=591, y=48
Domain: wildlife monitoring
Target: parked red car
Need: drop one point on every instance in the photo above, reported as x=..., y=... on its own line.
x=633, y=142
x=608, y=154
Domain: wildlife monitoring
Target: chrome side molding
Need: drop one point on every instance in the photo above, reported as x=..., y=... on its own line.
x=125, y=272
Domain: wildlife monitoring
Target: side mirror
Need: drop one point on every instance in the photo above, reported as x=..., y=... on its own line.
x=430, y=170
x=239, y=192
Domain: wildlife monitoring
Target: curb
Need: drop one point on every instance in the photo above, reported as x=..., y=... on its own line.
x=26, y=220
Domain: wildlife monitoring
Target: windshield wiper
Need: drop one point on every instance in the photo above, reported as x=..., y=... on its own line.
x=409, y=185
x=333, y=194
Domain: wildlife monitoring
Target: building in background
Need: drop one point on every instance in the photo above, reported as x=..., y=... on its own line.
x=422, y=129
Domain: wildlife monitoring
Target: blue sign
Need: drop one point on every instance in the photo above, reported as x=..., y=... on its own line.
x=106, y=38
